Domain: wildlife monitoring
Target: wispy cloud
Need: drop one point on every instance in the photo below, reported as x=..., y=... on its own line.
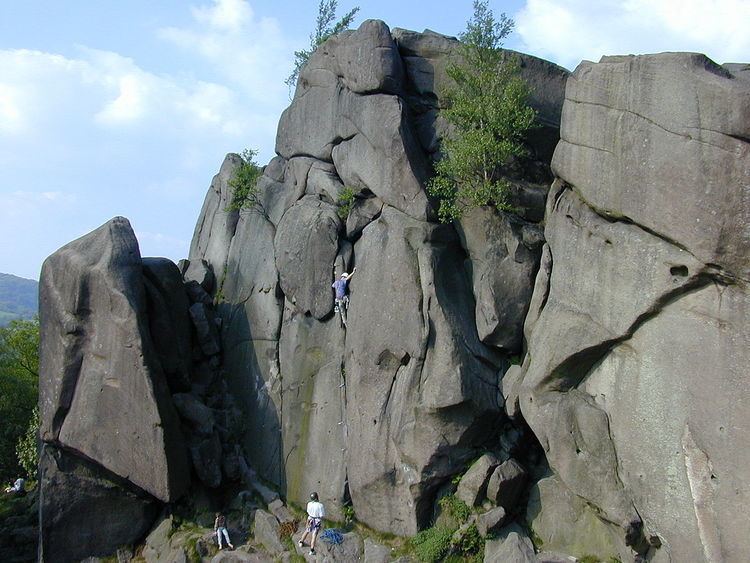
x=569, y=31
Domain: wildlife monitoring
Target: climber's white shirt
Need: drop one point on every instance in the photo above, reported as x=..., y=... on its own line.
x=315, y=509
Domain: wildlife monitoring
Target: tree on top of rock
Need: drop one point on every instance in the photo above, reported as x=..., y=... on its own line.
x=324, y=28
x=488, y=112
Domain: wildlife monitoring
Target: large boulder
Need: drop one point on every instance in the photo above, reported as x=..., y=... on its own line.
x=85, y=511
x=503, y=260
x=418, y=381
x=306, y=245
x=169, y=323
x=103, y=394
x=644, y=294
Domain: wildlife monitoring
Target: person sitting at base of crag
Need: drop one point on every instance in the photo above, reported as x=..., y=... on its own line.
x=315, y=514
x=17, y=488
x=340, y=286
x=220, y=528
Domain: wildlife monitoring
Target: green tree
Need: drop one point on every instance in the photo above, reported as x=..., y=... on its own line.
x=19, y=384
x=487, y=108
x=324, y=28
x=244, y=184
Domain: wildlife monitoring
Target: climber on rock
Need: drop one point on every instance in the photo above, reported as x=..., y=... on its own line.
x=340, y=287
x=315, y=514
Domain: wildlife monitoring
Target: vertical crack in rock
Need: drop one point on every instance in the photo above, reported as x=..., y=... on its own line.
x=701, y=478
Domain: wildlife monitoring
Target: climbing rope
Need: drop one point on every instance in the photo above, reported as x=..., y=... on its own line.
x=332, y=536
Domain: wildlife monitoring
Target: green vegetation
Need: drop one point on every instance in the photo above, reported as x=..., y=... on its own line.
x=455, y=507
x=19, y=383
x=324, y=28
x=489, y=114
x=349, y=515
x=27, y=447
x=470, y=543
x=18, y=298
x=244, y=184
x=345, y=202
x=432, y=544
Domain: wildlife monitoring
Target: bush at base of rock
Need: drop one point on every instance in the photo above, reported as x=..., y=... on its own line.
x=432, y=544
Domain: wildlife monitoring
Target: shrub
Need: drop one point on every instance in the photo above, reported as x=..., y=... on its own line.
x=455, y=507
x=470, y=543
x=244, y=184
x=432, y=544
x=345, y=202
x=27, y=449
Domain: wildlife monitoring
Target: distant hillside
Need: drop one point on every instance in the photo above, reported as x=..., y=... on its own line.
x=18, y=298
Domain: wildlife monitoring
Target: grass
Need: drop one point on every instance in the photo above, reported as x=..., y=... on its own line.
x=455, y=507
x=345, y=202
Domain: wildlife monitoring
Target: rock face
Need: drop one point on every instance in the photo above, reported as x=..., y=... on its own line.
x=637, y=331
x=100, y=372
x=609, y=314
x=388, y=410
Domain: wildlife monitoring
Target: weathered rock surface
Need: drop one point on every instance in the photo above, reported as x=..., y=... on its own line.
x=506, y=484
x=411, y=391
x=216, y=226
x=514, y=548
x=647, y=230
x=503, y=260
x=472, y=488
x=77, y=496
x=267, y=532
x=306, y=245
x=103, y=393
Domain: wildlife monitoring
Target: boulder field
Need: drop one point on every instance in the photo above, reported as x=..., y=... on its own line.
x=578, y=367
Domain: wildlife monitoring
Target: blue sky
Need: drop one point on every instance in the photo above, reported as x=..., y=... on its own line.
x=128, y=107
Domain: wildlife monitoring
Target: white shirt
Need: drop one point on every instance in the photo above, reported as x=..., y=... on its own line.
x=315, y=509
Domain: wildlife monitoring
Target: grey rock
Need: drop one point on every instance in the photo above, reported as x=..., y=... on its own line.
x=251, y=313
x=216, y=226
x=565, y=523
x=503, y=257
x=194, y=412
x=323, y=181
x=513, y=549
x=490, y=521
x=549, y=557
x=206, y=456
x=414, y=381
x=280, y=511
x=659, y=142
x=311, y=355
x=200, y=271
x=511, y=389
x=169, y=323
x=205, y=328
x=278, y=195
x=365, y=60
x=364, y=211
x=196, y=293
x=371, y=128
x=84, y=513
x=472, y=489
x=507, y=484
x=350, y=549
x=99, y=372
x=376, y=552
x=267, y=532
x=240, y=557
x=306, y=245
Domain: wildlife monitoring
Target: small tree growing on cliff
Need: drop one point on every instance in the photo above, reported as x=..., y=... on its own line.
x=489, y=114
x=324, y=28
x=244, y=184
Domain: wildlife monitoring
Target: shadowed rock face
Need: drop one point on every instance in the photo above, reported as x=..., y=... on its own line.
x=114, y=446
x=638, y=331
x=388, y=410
x=103, y=394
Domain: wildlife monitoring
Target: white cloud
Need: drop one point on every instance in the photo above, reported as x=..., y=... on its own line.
x=251, y=53
x=568, y=31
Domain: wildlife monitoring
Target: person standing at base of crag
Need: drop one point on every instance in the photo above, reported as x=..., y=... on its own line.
x=315, y=514
x=220, y=527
